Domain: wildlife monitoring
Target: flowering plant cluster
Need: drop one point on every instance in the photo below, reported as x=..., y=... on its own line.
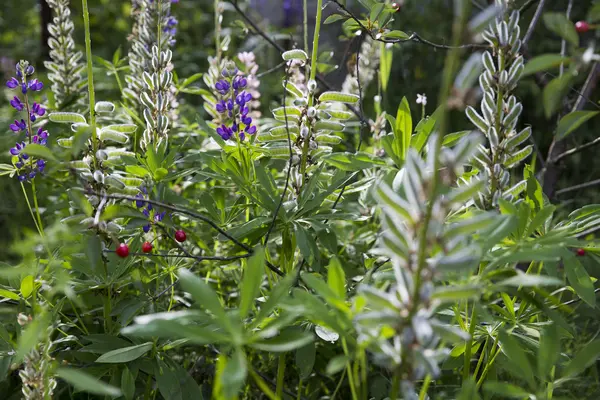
x=234, y=105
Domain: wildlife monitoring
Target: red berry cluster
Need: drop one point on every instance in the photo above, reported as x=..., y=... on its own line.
x=123, y=249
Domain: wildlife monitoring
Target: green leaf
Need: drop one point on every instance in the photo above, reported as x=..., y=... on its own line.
x=554, y=93
x=305, y=359
x=572, y=121
x=93, y=251
x=253, y=276
x=234, y=374
x=505, y=390
x=544, y=63
x=202, y=293
x=353, y=161
x=336, y=278
x=527, y=280
x=87, y=383
x=334, y=17
x=290, y=339
x=579, y=279
x=339, y=97
x=127, y=384
x=27, y=286
x=385, y=65
x=518, y=357
x=39, y=151
x=403, y=129
x=583, y=359
x=549, y=350
x=560, y=24
x=125, y=354
x=396, y=35
x=336, y=364
x=7, y=294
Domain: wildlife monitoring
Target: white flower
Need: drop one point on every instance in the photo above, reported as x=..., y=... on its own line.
x=422, y=99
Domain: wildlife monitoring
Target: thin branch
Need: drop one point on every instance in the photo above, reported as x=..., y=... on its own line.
x=197, y=258
x=414, y=37
x=577, y=187
x=527, y=5
x=576, y=150
x=275, y=68
x=534, y=21
x=197, y=216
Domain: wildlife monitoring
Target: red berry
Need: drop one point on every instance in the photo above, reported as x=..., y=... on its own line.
x=580, y=252
x=123, y=250
x=582, y=26
x=396, y=6
x=147, y=247
x=180, y=236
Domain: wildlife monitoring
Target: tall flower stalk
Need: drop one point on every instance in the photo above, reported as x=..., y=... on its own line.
x=150, y=66
x=66, y=67
x=500, y=111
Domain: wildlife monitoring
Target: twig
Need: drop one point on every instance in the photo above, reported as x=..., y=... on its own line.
x=576, y=150
x=199, y=217
x=534, y=21
x=414, y=37
x=577, y=187
x=275, y=68
x=197, y=258
x=527, y=5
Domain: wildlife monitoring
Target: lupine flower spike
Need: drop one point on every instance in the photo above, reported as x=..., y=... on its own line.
x=27, y=167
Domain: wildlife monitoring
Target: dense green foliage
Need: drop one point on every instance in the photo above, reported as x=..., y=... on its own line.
x=299, y=199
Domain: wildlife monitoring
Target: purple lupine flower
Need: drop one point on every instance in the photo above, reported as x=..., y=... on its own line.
x=139, y=203
x=12, y=83
x=17, y=149
x=38, y=109
x=222, y=86
x=239, y=82
x=29, y=70
x=35, y=85
x=224, y=132
x=16, y=103
x=146, y=228
x=158, y=217
x=18, y=126
x=221, y=107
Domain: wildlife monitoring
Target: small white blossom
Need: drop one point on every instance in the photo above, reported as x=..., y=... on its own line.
x=422, y=99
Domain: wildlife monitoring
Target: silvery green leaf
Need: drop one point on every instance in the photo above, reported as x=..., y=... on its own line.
x=274, y=136
x=492, y=135
x=115, y=181
x=66, y=118
x=66, y=143
x=378, y=299
x=488, y=62
x=132, y=181
x=289, y=118
x=278, y=152
x=282, y=130
x=461, y=260
x=488, y=114
x=516, y=47
x=295, y=54
x=451, y=334
x=514, y=159
x=394, y=247
x=510, y=120
x=516, y=70
x=470, y=225
x=79, y=165
x=422, y=329
x=391, y=200
x=482, y=20
x=123, y=128
x=338, y=114
x=328, y=139
x=339, y=97
x=114, y=136
x=293, y=89
x=326, y=334
x=516, y=189
x=104, y=107
x=469, y=73
x=329, y=126
x=513, y=22
x=288, y=110
x=476, y=119
x=502, y=29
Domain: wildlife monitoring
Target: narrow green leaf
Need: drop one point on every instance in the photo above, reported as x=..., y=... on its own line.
x=583, y=359
x=202, y=293
x=288, y=340
x=549, y=350
x=544, y=63
x=558, y=23
x=579, y=279
x=336, y=278
x=27, y=286
x=125, y=354
x=253, y=276
x=305, y=359
x=234, y=374
x=572, y=121
x=403, y=129
x=39, y=151
x=87, y=383
x=505, y=390
x=518, y=357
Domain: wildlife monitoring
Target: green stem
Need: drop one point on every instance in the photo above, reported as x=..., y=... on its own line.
x=469, y=348
x=305, y=25
x=218, y=32
x=280, y=375
x=30, y=209
x=263, y=385
x=426, y=383
x=351, y=376
x=37, y=208
x=489, y=364
x=313, y=74
x=90, y=77
x=395, y=385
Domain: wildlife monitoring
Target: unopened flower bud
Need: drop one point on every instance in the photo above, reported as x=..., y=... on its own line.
x=312, y=112
x=312, y=85
x=304, y=132
x=23, y=319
